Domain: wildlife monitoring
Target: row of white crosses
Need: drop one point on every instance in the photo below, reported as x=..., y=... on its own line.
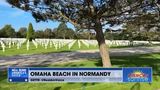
x=28, y=45
x=18, y=42
x=35, y=43
x=2, y=45
x=60, y=43
x=56, y=43
x=85, y=43
x=79, y=44
x=70, y=44
x=127, y=43
x=89, y=43
x=4, y=42
x=117, y=42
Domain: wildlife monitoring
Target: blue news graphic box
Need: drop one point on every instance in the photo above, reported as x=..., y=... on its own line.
x=17, y=74
x=130, y=74
x=137, y=74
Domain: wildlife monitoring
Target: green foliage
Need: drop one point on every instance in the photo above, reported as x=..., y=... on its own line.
x=70, y=34
x=22, y=32
x=113, y=36
x=64, y=32
x=85, y=34
x=7, y=31
x=84, y=12
x=62, y=26
x=39, y=34
x=142, y=28
x=30, y=32
x=48, y=33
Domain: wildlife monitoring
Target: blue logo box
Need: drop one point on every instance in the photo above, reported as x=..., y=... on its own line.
x=137, y=74
x=17, y=74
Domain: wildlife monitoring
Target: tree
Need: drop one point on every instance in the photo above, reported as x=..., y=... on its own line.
x=143, y=27
x=62, y=30
x=30, y=32
x=2, y=33
x=86, y=34
x=39, y=34
x=131, y=32
x=22, y=32
x=48, y=33
x=8, y=31
x=70, y=33
x=89, y=14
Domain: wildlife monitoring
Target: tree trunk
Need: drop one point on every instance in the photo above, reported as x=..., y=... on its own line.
x=64, y=36
x=102, y=45
x=89, y=36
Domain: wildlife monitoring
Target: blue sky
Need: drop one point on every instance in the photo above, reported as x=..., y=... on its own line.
x=18, y=18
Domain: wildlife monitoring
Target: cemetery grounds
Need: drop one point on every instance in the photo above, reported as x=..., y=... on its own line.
x=16, y=48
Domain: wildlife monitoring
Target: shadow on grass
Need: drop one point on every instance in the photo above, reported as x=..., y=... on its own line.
x=58, y=51
x=142, y=45
x=3, y=75
x=57, y=88
x=136, y=86
x=147, y=60
x=69, y=65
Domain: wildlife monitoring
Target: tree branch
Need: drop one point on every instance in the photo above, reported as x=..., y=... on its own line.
x=71, y=21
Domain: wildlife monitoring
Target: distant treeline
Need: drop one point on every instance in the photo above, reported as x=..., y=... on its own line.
x=63, y=32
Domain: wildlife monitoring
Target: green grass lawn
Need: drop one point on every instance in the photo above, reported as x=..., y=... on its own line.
x=147, y=60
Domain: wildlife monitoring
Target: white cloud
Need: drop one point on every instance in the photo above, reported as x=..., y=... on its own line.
x=6, y=8
x=12, y=12
x=3, y=3
x=17, y=13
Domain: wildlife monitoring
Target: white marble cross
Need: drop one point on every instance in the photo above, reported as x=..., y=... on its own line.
x=3, y=46
x=35, y=43
x=28, y=44
x=79, y=44
x=71, y=44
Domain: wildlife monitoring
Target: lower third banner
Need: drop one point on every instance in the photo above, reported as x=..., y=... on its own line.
x=136, y=74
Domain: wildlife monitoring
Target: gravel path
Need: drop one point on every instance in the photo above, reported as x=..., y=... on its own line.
x=45, y=59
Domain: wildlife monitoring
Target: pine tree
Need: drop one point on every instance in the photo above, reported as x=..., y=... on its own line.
x=30, y=32
x=89, y=14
